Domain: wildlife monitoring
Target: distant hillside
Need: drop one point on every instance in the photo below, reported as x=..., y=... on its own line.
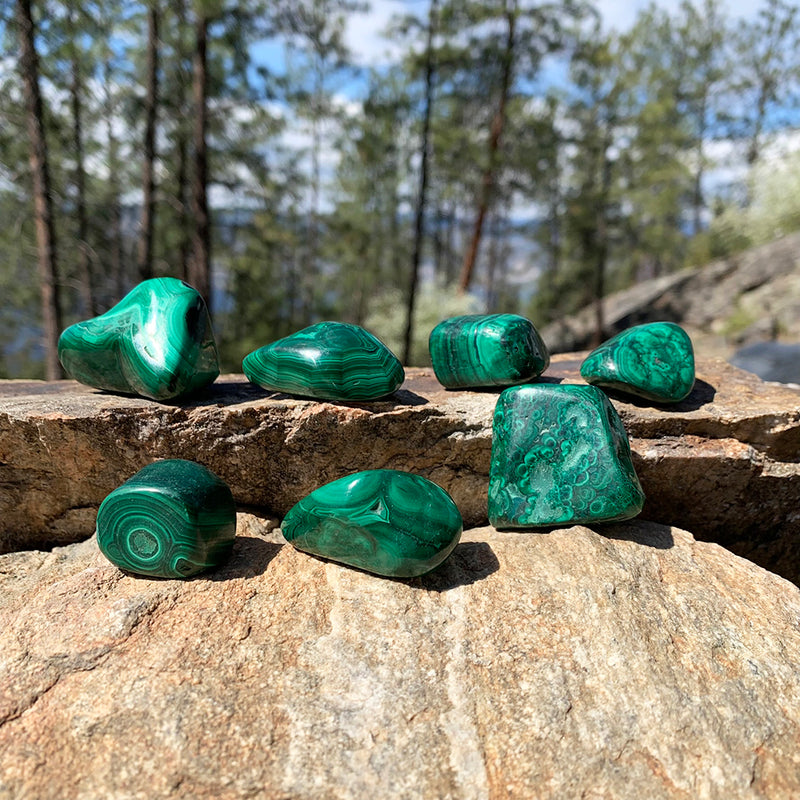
x=753, y=296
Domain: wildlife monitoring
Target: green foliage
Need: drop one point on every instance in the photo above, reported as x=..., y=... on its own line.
x=434, y=303
x=773, y=211
x=313, y=195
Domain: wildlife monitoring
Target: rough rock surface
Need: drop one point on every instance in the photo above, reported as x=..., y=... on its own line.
x=622, y=662
x=749, y=297
x=723, y=463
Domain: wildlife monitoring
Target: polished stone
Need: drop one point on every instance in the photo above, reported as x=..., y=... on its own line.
x=156, y=342
x=327, y=361
x=172, y=519
x=477, y=350
x=384, y=521
x=560, y=456
x=654, y=361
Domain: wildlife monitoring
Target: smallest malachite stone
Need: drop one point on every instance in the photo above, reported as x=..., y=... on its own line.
x=654, y=361
x=560, y=456
x=172, y=519
x=478, y=350
x=384, y=521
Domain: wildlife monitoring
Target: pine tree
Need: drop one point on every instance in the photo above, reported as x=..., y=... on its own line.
x=40, y=170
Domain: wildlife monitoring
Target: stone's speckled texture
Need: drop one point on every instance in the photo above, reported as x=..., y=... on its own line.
x=654, y=361
x=384, y=521
x=559, y=455
x=328, y=361
x=156, y=342
x=486, y=350
x=172, y=519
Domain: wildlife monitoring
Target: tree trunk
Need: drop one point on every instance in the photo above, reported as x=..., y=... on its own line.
x=115, y=233
x=145, y=250
x=697, y=194
x=75, y=89
x=311, y=267
x=754, y=147
x=495, y=135
x=182, y=178
x=45, y=231
x=419, y=214
x=601, y=247
x=200, y=265
x=494, y=256
x=182, y=147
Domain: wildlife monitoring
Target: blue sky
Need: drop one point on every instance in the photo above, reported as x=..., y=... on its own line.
x=370, y=49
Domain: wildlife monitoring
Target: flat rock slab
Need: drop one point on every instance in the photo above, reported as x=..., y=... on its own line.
x=628, y=661
x=723, y=463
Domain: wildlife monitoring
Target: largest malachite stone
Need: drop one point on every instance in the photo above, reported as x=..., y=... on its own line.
x=384, y=521
x=654, y=361
x=328, y=361
x=478, y=350
x=172, y=519
x=559, y=456
x=156, y=342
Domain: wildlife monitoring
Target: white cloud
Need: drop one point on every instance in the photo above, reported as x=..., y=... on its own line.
x=621, y=15
x=364, y=32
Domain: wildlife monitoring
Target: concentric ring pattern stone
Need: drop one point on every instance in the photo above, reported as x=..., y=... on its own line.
x=560, y=455
x=172, y=519
x=654, y=361
x=478, y=350
x=156, y=342
x=327, y=361
x=384, y=521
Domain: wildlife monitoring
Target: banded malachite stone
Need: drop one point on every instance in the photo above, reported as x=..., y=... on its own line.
x=328, y=361
x=654, y=361
x=172, y=519
x=478, y=350
x=559, y=456
x=156, y=342
x=384, y=521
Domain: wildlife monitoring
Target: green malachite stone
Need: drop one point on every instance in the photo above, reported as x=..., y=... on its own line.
x=654, y=361
x=383, y=521
x=328, y=361
x=487, y=350
x=156, y=342
x=172, y=519
x=559, y=456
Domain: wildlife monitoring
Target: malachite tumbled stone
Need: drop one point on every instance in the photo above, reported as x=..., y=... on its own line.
x=156, y=342
x=654, y=361
x=384, y=521
x=559, y=456
x=328, y=361
x=477, y=350
x=172, y=519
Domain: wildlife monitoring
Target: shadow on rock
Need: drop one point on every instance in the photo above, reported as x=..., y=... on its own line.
x=650, y=534
x=251, y=557
x=231, y=393
x=702, y=394
x=469, y=563
x=223, y=393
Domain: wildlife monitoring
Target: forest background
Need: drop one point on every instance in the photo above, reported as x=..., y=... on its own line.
x=486, y=155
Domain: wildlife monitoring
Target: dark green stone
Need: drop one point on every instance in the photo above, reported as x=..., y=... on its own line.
x=487, y=350
x=172, y=519
x=383, y=521
x=559, y=456
x=654, y=361
x=329, y=361
x=156, y=342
